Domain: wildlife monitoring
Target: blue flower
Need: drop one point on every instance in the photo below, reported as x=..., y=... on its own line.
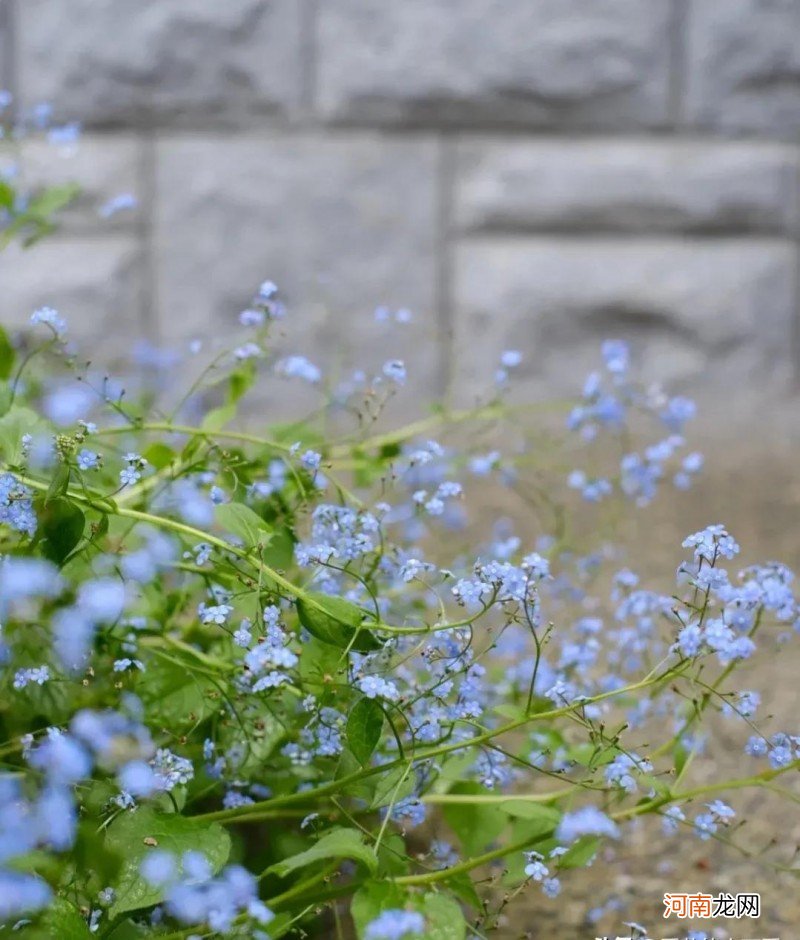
x=690, y=640
x=129, y=475
x=22, y=894
x=16, y=505
x=551, y=887
x=311, y=460
x=37, y=675
x=298, y=367
x=711, y=543
x=88, y=460
x=756, y=746
x=511, y=358
x=395, y=370
x=119, y=203
x=536, y=868
x=587, y=821
x=672, y=819
x=52, y=318
x=616, y=355
x=158, y=867
x=138, y=778
x=393, y=924
x=377, y=687
x=677, y=412
x=62, y=759
x=620, y=772
x=102, y=600
x=705, y=825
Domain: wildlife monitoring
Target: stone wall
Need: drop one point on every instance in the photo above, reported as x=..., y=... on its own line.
x=535, y=174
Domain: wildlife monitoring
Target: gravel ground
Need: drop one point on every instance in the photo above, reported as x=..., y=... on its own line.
x=759, y=501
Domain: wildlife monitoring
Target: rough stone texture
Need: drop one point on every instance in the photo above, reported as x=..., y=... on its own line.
x=102, y=167
x=118, y=61
x=744, y=65
x=632, y=185
x=328, y=218
x=437, y=155
x=6, y=39
x=95, y=282
x=698, y=312
x=551, y=62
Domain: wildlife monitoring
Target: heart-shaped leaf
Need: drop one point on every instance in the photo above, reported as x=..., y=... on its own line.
x=364, y=727
x=241, y=521
x=337, y=843
x=136, y=834
x=335, y=621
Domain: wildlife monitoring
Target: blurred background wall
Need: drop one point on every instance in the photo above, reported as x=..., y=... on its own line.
x=531, y=174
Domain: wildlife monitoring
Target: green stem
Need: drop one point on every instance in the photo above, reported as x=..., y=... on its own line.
x=739, y=783
x=490, y=799
x=194, y=432
x=199, y=535
x=251, y=813
x=444, y=873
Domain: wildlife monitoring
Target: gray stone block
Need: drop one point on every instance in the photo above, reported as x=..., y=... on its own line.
x=6, y=58
x=341, y=224
x=743, y=65
x=103, y=167
x=94, y=282
x=182, y=61
x=569, y=63
x=626, y=185
x=701, y=313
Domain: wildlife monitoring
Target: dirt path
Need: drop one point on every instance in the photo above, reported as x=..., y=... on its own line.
x=759, y=502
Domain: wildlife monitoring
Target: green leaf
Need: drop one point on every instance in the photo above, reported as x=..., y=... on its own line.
x=580, y=852
x=444, y=919
x=372, y=899
x=462, y=886
x=681, y=755
x=59, y=483
x=176, y=695
x=126, y=930
x=100, y=526
x=60, y=529
x=158, y=455
x=63, y=920
x=5, y=397
x=51, y=200
x=6, y=354
x=536, y=822
x=337, y=843
x=392, y=856
x=364, y=727
x=171, y=832
x=240, y=520
x=7, y=196
x=280, y=552
x=320, y=664
x=16, y=422
x=335, y=621
x=281, y=925
x=475, y=824
x=240, y=381
x=259, y=744
x=217, y=418
x=525, y=809
x=393, y=785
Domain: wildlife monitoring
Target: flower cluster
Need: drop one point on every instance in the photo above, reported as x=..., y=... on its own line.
x=240, y=669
